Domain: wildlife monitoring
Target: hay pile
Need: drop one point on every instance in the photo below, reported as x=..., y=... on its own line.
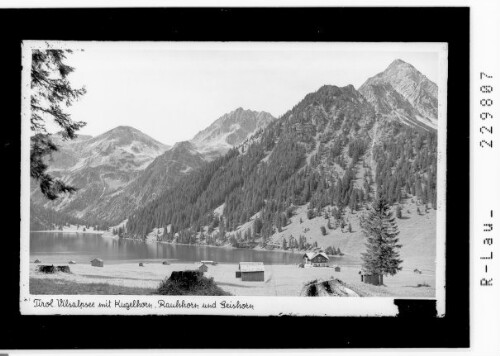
x=53, y=269
x=189, y=283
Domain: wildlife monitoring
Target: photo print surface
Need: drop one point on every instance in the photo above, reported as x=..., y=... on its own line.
x=232, y=178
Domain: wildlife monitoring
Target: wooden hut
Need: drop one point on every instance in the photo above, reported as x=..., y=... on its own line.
x=337, y=269
x=203, y=268
x=97, y=262
x=316, y=259
x=375, y=279
x=252, y=271
x=213, y=263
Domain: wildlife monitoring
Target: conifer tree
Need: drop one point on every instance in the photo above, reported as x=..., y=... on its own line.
x=257, y=226
x=284, y=245
x=382, y=255
x=310, y=213
x=50, y=92
x=399, y=212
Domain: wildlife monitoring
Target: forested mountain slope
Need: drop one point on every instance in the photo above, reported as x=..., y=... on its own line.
x=165, y=171
x=334, y=150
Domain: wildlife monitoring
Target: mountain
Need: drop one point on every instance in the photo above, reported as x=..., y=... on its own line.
x=230, y=130
x=165, y=171
x=251, y=179
x=329, y=155
x=168, y=169
x=99, y=166
x=405, y=94
x=123, y=169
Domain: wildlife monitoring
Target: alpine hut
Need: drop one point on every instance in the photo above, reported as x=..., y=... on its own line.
x=213, y=263
x=315, y=259
x=97, y=262
x=375, y=279
x=251, y=271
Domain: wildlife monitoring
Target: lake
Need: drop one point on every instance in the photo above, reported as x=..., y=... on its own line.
x=59, y=247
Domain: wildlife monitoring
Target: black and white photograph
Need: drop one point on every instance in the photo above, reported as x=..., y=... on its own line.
x=200, y=177
x=233, y=170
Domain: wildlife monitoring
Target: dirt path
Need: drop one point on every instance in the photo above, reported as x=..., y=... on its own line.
x=328, y=288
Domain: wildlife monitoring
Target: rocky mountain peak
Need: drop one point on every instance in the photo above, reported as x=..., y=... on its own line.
x=183, y=146
x=399, y=62
x=401, y=87
x=230, y=130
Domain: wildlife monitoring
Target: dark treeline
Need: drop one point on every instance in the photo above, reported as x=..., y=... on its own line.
x=187, y=203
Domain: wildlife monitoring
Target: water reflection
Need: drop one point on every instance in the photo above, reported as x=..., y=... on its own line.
x=62, y=247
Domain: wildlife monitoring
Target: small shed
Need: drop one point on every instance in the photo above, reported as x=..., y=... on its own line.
x=252, y=271
x=337, y=269
x=213, y=263
x=97, y=262
x=315, y=259
x=374, y=279
x=203, y=268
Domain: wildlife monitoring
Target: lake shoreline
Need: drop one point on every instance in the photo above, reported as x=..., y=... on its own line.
x=106, y=234
x=257, y=248
x=70, y=232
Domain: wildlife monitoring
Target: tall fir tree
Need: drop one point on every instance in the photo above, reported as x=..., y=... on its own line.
x=51, y=91
x=382, y=254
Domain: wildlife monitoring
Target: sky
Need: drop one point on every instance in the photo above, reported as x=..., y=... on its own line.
x=171, y=91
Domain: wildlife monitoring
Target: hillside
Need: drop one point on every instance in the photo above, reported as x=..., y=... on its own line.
x=336, y=149
x=417, y=233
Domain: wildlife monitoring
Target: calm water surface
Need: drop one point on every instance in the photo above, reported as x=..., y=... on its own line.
x=58, y=247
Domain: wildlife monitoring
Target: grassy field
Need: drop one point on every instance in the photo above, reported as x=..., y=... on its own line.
x=280, y=280
x=61, y=286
